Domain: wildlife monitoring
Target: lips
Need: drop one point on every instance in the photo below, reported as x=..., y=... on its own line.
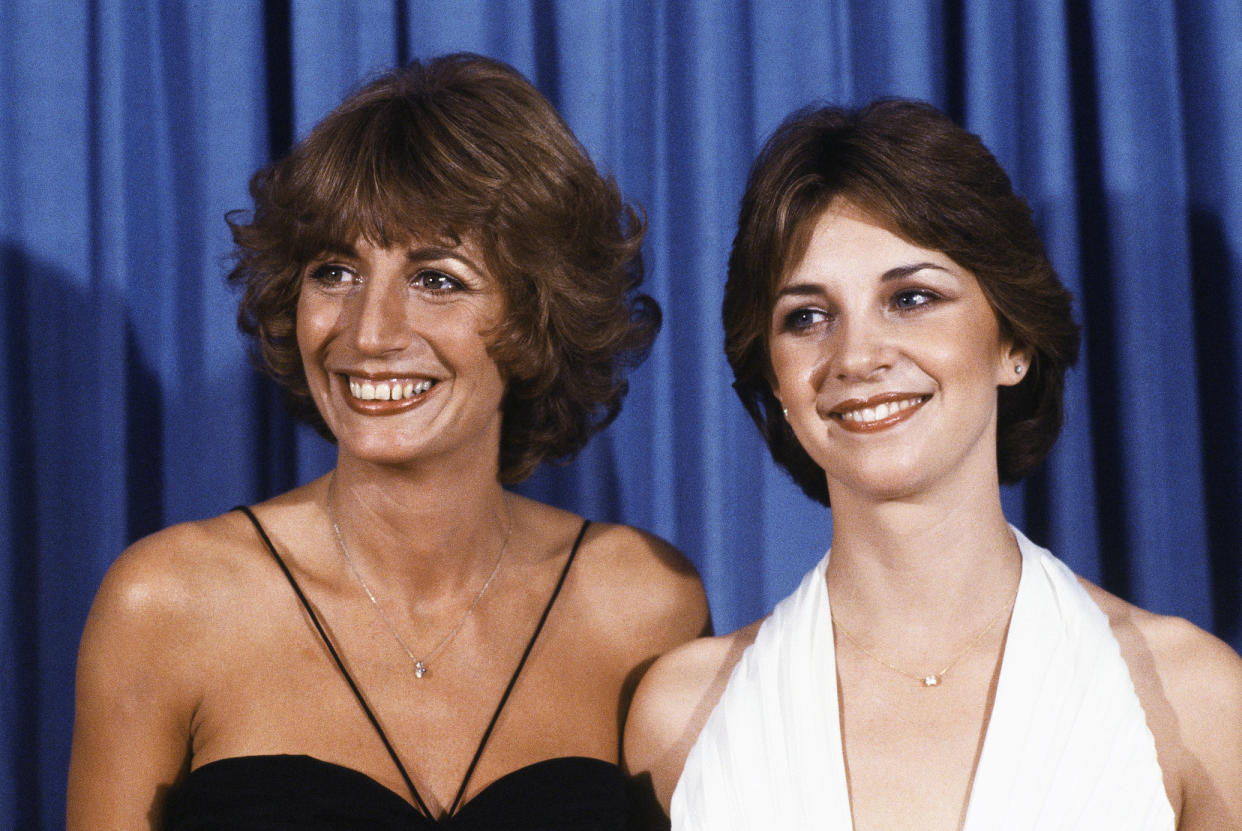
x=878, y=412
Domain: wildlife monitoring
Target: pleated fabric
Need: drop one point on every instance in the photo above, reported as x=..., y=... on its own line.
x=1068, y=746
x=770, y=753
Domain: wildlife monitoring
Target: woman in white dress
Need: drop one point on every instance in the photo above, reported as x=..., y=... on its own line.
x=900, y=338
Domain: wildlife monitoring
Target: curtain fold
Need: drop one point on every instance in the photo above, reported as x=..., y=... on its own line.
x=129, y=129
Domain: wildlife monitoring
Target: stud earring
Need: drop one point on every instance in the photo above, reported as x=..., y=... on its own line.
x=785, y=410
x=1018, y=369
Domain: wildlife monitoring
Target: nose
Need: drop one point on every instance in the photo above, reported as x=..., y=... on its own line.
x=862, y=349
x=380, y=323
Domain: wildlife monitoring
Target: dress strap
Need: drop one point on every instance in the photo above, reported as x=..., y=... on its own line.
x=478, y=754
x=409, y=783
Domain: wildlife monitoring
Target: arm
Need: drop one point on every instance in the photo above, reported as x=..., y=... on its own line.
x=132, y=714
x=1190, y=686
x=1203, y=679
x=669, y=709
x=645, y=597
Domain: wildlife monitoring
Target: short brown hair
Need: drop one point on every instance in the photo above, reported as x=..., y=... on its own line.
x=463, y=147
x=908, y=165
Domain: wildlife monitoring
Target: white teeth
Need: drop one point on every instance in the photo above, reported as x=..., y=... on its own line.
x=867, y=415
x=387, y=390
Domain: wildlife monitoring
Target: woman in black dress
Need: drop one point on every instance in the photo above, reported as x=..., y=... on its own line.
x=444, y=285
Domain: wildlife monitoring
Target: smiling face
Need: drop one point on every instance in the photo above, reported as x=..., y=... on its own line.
x=887, y=357
x=394, y=348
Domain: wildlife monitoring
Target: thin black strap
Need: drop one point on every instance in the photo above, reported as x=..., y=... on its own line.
x=409, y=783
x=478, y=754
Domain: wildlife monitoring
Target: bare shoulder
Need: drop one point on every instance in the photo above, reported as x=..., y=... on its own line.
x=672, y=704
x=141, y=666
x=1190, y=685
x=160, y=579
x=682, y=687
x=631, y=581
x=152, y=611
x=652, y=575
x=192, y=572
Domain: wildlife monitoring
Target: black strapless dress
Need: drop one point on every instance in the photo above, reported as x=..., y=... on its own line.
x=257, y=793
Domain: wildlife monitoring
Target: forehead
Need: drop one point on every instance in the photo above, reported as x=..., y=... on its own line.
x=846, y=242
x=339, y=212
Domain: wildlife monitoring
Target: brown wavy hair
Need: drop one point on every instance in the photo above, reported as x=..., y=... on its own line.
x=909, y=166
x=463, y=147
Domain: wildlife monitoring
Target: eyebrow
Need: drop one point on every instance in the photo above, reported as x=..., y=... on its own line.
x=799, y=290
x=431, y=253
x=903, y=271
x=898, y=273
x=414, y=256
x=434, y=252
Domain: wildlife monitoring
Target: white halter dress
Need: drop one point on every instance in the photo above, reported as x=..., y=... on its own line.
x=1067, y=749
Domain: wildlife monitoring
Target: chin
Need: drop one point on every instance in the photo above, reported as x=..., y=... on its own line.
x=378, y=450
x=889, y=482
x=877, y=492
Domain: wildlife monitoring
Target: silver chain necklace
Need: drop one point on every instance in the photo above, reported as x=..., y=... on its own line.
x=421, y=667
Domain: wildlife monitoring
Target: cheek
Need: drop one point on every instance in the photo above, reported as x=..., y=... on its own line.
x=970, y=340
x=779, y=370
x=496, y=374
x=312, y=323
x=796, y=366
x=313, y=327
x=990, y=356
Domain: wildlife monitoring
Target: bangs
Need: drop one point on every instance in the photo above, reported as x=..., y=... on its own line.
x=386, y=175
x=797, y=216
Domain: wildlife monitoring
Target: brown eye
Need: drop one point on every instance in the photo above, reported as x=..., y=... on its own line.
x=330, y=274
x=437, y=281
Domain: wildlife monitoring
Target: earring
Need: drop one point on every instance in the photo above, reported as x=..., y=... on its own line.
x=785, y=410
x=1018, y=369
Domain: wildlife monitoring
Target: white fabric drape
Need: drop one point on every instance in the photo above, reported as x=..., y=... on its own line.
x=1068, y=746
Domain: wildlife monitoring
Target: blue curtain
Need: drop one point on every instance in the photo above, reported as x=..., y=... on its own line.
x=129, y=127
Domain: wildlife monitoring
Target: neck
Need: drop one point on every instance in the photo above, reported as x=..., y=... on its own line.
x=922, y=568
x=430, y=529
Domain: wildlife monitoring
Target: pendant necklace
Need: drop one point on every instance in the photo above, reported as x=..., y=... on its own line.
x=421, y=665
x=930, y=679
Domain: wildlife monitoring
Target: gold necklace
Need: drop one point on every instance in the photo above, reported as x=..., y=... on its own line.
x=421, y=667
x=929, y=679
